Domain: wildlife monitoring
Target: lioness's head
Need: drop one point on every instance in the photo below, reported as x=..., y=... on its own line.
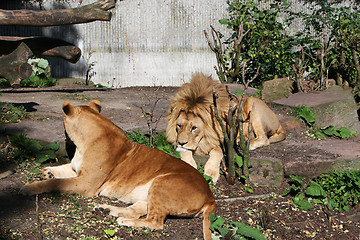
x=75, y=116
x=190, y=131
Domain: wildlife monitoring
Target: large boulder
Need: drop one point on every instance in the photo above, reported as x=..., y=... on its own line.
x=276, y=89
x=335, y=106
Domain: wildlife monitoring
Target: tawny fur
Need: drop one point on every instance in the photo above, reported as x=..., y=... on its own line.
x=193, y=128
x=107, y=163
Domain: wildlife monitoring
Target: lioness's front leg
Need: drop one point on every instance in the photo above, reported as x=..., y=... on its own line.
x=80, y=184
x=62, y=171
x=212, y=166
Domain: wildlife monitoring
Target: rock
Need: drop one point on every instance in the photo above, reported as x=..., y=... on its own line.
x=276, y=89
x=335, y=106
x=266, y=172
x=320, y=166
x=249, y=91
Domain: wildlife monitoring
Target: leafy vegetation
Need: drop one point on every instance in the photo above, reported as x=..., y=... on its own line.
x=233, y=230
x=308, y=116
x=41, y=74
x=27, y=149
x=159, y=142
x=336, y=190
x=10, y=113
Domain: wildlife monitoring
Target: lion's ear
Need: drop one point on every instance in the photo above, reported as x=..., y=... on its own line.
x=68, y=108
x=96, y=105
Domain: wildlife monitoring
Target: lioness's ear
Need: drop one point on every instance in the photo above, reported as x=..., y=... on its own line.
x=96, y=105
x=68, y=108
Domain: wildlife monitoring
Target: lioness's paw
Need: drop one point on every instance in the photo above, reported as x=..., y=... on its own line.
x=26, y=191
x=102, y=209
x=46, y=174
x=124, y=222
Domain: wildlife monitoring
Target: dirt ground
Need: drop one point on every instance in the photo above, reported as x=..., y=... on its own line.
x=70, y=216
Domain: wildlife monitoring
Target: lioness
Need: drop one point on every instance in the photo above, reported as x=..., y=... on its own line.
x=192, y=126
x=107, y=163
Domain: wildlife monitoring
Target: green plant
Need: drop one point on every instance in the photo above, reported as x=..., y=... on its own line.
x=4, y=83
x=233, y=230
x=41, y=74
x=159, y=142
x=27, y=149
x=109, y=233
x=257, y=38
x=342, y=188
x=308, y=116
x=11, y=113
x=336, y=190
x=296, y=191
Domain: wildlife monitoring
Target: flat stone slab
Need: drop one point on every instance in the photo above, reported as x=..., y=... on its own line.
x=335, y=106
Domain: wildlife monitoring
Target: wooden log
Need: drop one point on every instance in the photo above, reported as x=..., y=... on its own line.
x=14, y=67
x=42, y=46
x=88, y=13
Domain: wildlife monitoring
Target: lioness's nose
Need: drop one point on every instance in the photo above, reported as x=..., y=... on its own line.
x=182, y=143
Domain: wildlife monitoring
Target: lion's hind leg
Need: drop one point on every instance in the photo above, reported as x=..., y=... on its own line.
x=134, y=211
x=278, y=136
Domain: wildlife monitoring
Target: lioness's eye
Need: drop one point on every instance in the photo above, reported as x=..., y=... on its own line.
x=178, y=125
x=193, y=128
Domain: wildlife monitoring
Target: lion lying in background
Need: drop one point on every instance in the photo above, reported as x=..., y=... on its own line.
x=107, y=163
x=192, y=126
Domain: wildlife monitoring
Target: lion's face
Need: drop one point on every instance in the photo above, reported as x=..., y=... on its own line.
x=190, y=131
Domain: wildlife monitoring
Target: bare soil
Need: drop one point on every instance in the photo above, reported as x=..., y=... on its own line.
x=70, y=216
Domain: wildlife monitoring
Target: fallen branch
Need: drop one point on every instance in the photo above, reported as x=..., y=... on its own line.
x=247, y=198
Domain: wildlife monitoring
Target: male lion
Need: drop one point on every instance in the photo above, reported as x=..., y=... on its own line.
x=192, y=126
x=107, y=163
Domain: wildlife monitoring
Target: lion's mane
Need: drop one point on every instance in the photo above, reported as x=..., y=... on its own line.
x=197, y=97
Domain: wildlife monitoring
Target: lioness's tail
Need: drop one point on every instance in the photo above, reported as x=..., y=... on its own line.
x=278, y=136
x=208, y=209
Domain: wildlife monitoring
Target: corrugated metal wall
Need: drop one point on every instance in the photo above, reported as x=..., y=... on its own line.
x=147, y=42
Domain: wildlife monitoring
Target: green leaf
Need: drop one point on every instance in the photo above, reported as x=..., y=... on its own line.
x=224, y=21
x=344, y=132
x=330, y=130
x=239, y=161
x=212, y=217
x=53, y=146
x=109, y=232
x=287, y=192
x=248, y=231
x=315, y=190
x=43, y=63
x=300, y=201
x=296, y=178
